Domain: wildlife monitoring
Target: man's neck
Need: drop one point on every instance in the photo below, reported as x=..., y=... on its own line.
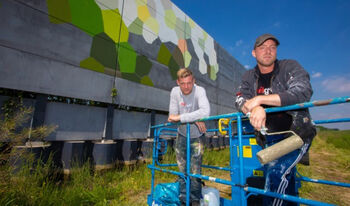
x=266, y=70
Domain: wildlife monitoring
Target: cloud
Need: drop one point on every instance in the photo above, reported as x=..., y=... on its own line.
x=239, y=43
x=247, y=66
x=337, y=84
x=316, y=74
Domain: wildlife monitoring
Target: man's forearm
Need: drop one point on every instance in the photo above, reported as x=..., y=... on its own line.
x=271, y=100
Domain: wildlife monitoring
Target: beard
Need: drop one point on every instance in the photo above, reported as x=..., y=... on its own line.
x=266, y=63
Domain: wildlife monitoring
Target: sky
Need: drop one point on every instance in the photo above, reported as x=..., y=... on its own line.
x=316, y=33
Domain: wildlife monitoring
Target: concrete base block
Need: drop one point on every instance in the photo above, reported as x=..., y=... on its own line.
x=221, y=142
x=104, y=154
x=170, y=141
x=128, y=151
x=55, y=150
x=146, y=150
x=75, y=154
x=215, y=143
x=208, y=142
x=30, y=153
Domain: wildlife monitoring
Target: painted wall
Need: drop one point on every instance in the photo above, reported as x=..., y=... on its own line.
x=45, y=44
x=126, y=34
x=84, y=48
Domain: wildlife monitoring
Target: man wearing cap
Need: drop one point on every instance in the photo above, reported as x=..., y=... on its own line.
x=272, y=83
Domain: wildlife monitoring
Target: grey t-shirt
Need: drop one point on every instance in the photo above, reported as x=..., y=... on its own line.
x=191, y=107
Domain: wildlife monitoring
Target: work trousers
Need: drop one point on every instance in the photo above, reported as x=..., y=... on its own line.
x=280, y=176
x=196, y=145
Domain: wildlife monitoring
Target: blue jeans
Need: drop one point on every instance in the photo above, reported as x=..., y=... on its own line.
x=196, y=162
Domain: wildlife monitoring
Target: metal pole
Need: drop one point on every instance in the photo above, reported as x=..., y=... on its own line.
x=166, y=170
x=241, y=178
x=309, y=104
x=154, y=156
x=188, y=164
x=341, y=184
x=231, y=154
x=332, y=121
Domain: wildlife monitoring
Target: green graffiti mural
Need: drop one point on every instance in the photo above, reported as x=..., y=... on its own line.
x=59, y=11
x=127, y=58
x=110, y=24
x=164, y=55
x=104, y=51
x=86, y=15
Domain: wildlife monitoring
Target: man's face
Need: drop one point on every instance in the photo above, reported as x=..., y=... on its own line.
x=266, y=53
x=186, y=84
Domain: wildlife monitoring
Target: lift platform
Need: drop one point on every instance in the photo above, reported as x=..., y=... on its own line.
x=247, y=175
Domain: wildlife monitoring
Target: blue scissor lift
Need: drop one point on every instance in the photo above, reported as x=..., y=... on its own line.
x=246, y=172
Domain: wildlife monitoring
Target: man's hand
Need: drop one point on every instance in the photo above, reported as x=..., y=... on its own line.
x=271, y=100
x=258, y=117
x=250, y=104
x=174, y=118
x=201, y=127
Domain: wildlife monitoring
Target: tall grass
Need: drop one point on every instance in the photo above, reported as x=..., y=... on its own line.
x=23, y=177
x=127, y=185
x=130, y=185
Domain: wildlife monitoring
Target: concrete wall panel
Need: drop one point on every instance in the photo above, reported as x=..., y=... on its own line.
x=75, y=122
x=28, y=72
x=138, y=95
x=131, y=125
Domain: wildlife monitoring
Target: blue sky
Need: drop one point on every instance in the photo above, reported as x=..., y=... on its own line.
x=316, y=33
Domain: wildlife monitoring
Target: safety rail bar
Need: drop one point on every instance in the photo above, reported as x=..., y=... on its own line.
x=306, y=179
x=237, y=118
x=157, y=140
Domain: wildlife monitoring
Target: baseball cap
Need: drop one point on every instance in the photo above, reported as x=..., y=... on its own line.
x=261, y=39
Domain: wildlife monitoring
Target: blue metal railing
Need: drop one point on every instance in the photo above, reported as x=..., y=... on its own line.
x=237, y=118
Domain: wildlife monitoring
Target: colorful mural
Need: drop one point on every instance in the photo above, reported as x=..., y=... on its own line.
x=177, y=40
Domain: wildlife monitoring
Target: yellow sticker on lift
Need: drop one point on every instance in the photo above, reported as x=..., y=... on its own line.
x=258, y=173
x=247, y=151
x=252, y=141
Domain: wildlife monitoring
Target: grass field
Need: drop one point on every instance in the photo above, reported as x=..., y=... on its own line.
x=329, y=156
x=330, y=160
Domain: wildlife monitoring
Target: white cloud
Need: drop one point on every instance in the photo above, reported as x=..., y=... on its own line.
x=337, y=84
x=239, y=43
x=316, y=74
x=247, y=66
